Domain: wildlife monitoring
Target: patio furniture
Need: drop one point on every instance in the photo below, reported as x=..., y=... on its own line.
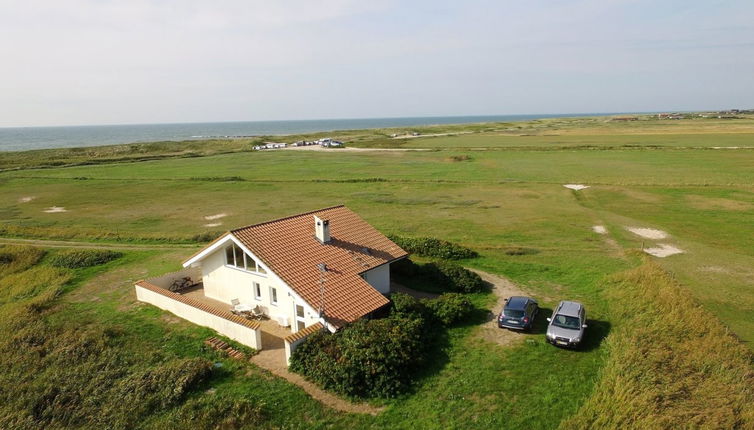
x=257, y=313
x=242, y=308
x=233, y=310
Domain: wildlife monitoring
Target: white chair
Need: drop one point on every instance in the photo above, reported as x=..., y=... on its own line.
x=234, y=302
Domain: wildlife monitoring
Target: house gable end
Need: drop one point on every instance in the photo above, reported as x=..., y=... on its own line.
x=218, y=246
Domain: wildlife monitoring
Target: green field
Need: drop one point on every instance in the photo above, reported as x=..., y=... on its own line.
x=496, y=189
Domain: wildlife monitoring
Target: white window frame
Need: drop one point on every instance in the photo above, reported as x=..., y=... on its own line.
x=257, y=269
x=257, y=291
x=273, y=295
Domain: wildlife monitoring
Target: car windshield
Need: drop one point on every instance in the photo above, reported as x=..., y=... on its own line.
x=513, y=313
x=565, y=321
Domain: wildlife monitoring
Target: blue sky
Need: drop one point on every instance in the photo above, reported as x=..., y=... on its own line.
x=140, y=61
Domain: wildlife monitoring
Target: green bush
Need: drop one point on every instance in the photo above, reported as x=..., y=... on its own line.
x=455, y=276
x=450, y=308
x=375, y=358
x=444, y=275
x=409, y=307
x=76, y=259
x=432, y=247
x=447, y=309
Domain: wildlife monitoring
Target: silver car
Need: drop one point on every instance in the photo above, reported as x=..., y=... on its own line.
x=567, y=324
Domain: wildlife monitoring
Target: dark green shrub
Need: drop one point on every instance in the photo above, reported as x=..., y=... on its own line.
x=76, y=259
x=409, y=307
x=6, y=258
x=374, y=358
x=450, y=308
x=208, y=236
x=454, y=276
x=433, y=247
x=443, y=276
x=447, y=309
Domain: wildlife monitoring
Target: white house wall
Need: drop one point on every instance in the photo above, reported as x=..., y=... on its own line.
x=225, y=283
x=379, y=278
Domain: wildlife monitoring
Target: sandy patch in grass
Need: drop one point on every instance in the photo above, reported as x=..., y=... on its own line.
x=713, y=269
x=717, y=203
x=648, y=233
x=663, y=250
x=216, y=216
x=502, y=288
x=599, y=229
x=213, y=224
x=55, y=209
x=576, y=187
x=26, y=199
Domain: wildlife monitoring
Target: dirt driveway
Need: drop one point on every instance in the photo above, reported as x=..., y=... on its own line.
x=502, y=288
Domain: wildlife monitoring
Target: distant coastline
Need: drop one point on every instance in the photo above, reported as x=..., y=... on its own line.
x=30, y=138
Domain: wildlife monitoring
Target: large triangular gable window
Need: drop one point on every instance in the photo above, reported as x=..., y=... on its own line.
x=234, y=256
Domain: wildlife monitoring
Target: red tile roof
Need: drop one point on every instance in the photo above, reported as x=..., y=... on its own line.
x=306, y=331
x=290, y=249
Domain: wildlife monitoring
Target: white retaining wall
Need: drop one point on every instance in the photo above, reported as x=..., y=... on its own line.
x=245, y=335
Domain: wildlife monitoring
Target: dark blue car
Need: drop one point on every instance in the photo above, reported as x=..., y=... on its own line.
x=518, y=313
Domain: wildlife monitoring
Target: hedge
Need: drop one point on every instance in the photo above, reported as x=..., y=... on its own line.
x=433, y=247
x=76, y=259
x=447, y=309
x=369, y=358
x=450, y=308
x=446, y=275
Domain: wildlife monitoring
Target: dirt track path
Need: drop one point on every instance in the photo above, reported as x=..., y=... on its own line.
x=273, y=360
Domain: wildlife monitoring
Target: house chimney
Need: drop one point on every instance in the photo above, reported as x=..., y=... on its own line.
x=322, y=229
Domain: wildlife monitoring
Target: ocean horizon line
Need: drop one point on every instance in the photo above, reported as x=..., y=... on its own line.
x=72, y=136
x=548, y=115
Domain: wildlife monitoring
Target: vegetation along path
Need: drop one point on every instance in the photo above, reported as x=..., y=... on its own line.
x=91, y=245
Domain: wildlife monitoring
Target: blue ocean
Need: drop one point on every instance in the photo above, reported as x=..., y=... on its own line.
x=28, y=138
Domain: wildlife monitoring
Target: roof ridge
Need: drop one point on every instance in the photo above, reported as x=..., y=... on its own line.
x=286, y=218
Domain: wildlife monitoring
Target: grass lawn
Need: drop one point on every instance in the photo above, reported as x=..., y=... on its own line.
x=504, y=196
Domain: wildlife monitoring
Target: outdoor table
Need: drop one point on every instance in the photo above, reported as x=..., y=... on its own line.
x=242, y=308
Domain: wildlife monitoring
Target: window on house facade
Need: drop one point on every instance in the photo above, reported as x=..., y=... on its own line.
x=238, y=253
x=236, y=257
x=257, y=291
x=273, y=295
x=229, y=258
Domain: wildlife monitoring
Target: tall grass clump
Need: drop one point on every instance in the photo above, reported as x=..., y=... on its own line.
x=80, y=258
x=62, y=369
x=17, y=258
x=671, y=363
